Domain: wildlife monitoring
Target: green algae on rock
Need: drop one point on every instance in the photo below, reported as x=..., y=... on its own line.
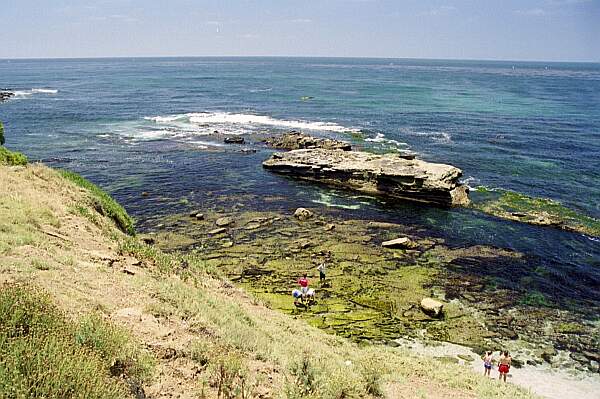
x=537, y=211
x=372, y=293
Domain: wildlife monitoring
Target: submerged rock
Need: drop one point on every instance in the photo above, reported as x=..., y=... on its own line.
x=295, y=140
x=432, y=307
x=5, y=95
x=537, y=211
x=388, y=175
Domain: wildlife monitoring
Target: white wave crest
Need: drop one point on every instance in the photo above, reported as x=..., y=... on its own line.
x=440, y=137
x=251, y=120
x=471, y=183
x=29, y=93
x=166, y=119
x=44, y=91
x=380, y=138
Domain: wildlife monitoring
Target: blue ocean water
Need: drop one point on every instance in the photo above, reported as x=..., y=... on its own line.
x=134, y=125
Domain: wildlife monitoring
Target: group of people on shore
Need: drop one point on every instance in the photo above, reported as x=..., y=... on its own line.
x=504, y=363
x=305, y=296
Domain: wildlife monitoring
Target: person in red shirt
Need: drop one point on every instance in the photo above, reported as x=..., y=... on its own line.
x=303, y=284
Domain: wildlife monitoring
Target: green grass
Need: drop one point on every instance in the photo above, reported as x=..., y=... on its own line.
x=103, y=202
x=44, y=354
x=534, y=298
x=11, y=158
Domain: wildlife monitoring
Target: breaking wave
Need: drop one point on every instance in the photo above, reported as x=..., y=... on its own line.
x=29, y=93
x=251, y=122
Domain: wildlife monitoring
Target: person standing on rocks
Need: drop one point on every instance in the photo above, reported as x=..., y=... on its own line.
x=322, y=268
x=504, y=365
x=487, y=363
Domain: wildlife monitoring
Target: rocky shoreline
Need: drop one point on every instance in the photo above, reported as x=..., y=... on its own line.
x=376, y=292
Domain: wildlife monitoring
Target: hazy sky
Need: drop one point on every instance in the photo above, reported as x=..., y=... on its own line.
x=475, y=29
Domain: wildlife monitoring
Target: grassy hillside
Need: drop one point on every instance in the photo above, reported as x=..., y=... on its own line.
x=126, y=318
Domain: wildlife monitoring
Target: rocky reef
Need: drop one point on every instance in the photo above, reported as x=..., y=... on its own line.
x=295, y=140
x=5, y=95
x=477, y=296
x=389, y=175
x=537, y=211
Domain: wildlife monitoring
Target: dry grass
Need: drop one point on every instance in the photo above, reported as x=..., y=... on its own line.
x=210, y=338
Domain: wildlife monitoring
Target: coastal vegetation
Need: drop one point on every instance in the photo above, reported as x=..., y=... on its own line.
x=103, y=203
x=101, y=296
x=8, y=157
x=43, y=353
x=11, y=158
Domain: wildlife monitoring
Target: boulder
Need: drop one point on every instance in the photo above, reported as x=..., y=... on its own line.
x=402, y=242
x=295, y=140
x=224, y=221
x=234, y=140
x=432, y=307
x=387, y=175
x=215, y=232
x=303, y=214
x=252, y=226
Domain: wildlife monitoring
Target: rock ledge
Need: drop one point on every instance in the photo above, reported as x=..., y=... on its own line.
x=389, y=175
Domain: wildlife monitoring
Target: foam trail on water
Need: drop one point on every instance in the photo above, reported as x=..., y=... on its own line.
x=29, y=93
x=440, y=137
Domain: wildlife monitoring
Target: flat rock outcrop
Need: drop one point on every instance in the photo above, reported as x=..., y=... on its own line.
x=388, y=175
x=295, y=140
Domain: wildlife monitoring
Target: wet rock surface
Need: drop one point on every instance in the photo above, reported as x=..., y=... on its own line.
x=234, y=140
x=386, y=175
x=295, y=140
x=536, y=211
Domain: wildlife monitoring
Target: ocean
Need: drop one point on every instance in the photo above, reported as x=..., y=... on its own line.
x=156, y=125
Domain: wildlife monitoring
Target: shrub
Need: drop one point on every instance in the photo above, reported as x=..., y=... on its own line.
x=115, y=347
x=230, y=377
x=306, y=382
x=534, y=298
x=38, y=353
x=372, y=368
x=11, y=158
x=1, y=133
x=103, y=202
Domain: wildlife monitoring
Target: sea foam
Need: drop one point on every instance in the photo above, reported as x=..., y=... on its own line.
x=29, y=93
x=380, y=138
x=251, y=120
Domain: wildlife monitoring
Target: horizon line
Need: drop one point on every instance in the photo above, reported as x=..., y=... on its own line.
x=304, y=57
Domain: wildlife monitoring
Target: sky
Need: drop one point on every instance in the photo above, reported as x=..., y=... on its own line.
x=549, y=30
